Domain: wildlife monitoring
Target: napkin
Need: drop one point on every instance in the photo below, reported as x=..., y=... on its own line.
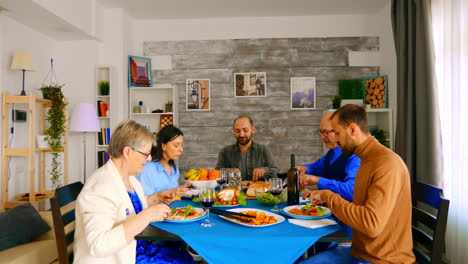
x=313, y=223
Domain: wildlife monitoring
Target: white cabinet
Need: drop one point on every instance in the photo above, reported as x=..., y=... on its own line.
x=380, y=118
x=104, y=91
x=147, y=104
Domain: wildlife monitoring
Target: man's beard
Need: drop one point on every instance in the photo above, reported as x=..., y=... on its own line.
x=349, y=149
x=246, y=140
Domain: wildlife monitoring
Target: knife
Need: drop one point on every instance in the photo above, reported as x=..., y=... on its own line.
x=232, y=215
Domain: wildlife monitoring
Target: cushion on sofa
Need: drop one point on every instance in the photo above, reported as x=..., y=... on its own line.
x=36, y=252
x=20, y=225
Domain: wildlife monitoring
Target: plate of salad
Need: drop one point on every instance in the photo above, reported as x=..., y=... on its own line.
x=227, y=201
x=187, y=214
x=307, y=211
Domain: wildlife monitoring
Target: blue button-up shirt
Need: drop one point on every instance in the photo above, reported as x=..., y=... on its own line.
x=336, y=172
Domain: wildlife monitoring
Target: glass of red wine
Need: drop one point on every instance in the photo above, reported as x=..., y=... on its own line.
x=275, y=188
x=223, y=178
x=207, y=196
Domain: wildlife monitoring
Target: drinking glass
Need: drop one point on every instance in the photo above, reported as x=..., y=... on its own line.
x=275, y=188
x=207, y=197
x=223, y=178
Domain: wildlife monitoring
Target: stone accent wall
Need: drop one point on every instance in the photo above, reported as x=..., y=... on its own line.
x=283, y=130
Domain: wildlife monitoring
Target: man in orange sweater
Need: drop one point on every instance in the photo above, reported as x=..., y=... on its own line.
x=380, y=214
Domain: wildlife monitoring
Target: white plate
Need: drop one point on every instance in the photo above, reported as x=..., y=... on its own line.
x=184, y=221
x=286, y=209
x=192, y=192
x=279, y=218
x=225, y=206
x=303, y=201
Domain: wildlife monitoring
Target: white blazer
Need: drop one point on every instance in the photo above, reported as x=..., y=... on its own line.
x=101, y=207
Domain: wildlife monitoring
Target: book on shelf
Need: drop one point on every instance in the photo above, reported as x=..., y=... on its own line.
x=103, y=157
x=104, y=136
x=102, y=108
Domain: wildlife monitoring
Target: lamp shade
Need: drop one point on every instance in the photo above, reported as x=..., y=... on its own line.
x=84, y=118
x=23, y=60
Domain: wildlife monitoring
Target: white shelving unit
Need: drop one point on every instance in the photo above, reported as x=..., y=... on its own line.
x=377, y=118
x=153, y=98
x=103, y=73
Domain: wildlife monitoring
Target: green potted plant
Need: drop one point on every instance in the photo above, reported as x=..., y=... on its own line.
x=336, y=101
x=104, y=87
x=56, y=118
x=380, y=135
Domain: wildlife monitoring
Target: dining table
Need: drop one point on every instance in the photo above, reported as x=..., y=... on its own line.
x=227, y=242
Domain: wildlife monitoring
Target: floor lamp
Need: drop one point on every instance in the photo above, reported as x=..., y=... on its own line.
x=84, y=119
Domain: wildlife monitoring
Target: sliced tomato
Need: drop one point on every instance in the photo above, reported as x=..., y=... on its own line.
x=223, y=202
x=234, y=202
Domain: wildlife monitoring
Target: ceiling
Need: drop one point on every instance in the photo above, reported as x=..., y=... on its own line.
x=33, y=15
x=180, y=9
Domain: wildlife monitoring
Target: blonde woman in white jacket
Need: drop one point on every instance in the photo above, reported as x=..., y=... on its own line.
x=106, y=222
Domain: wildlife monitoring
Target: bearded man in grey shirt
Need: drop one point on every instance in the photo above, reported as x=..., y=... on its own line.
x=255, y=161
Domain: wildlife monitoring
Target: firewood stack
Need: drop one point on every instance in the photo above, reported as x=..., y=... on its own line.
x=375, y=92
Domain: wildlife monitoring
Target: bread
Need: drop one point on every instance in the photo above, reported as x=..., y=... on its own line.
x=256, y=185
x=227, y=194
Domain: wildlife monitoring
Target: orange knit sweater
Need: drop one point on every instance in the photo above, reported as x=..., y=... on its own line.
x=380, y=213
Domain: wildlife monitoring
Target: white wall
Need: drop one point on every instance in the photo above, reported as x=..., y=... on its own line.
x=74, y=66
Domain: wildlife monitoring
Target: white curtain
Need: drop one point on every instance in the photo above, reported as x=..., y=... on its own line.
x=450, y=30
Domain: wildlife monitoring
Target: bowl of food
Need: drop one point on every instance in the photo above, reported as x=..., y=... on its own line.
x=266, y=198
x=204, y=184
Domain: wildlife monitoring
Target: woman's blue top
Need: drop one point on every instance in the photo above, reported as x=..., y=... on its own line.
x=148, y=252
x=155, y=178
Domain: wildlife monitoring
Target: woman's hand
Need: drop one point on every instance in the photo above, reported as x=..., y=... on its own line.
x=158, y=212
x=181, y=190
x=166, y=197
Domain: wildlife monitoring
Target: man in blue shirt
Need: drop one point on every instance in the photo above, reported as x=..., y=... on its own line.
x=334, y=171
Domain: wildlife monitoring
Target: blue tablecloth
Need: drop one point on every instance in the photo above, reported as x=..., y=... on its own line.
x=227, y=242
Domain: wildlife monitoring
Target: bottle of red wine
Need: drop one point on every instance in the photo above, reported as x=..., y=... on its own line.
x=293, y=183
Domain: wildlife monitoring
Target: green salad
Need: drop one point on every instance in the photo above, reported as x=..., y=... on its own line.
x=268, y=198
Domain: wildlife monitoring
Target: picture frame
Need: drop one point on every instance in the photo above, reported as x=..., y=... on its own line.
x=250, y=84
x=140, y=72
x=303, y=93
x=198, y=95
x=376, y=91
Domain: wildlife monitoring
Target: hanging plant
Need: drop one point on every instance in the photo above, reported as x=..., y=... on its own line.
x=56, y=118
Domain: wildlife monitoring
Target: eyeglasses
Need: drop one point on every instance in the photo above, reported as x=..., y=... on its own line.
x=324, y=132
x=142, y=153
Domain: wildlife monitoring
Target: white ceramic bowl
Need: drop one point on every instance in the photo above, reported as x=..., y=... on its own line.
x=206, y=184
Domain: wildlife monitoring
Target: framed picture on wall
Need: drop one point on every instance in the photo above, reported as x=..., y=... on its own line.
x=197, y=93
x=250, y=84
x=303, y=93
x=139, y=72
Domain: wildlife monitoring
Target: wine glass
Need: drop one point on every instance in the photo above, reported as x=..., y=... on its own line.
x=207, y=196
x=275, y=188
x=223, y=178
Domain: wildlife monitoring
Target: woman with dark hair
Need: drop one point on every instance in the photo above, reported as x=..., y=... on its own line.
x=162, y=173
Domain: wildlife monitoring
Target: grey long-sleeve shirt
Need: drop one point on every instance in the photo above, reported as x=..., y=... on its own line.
x=258, y=156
